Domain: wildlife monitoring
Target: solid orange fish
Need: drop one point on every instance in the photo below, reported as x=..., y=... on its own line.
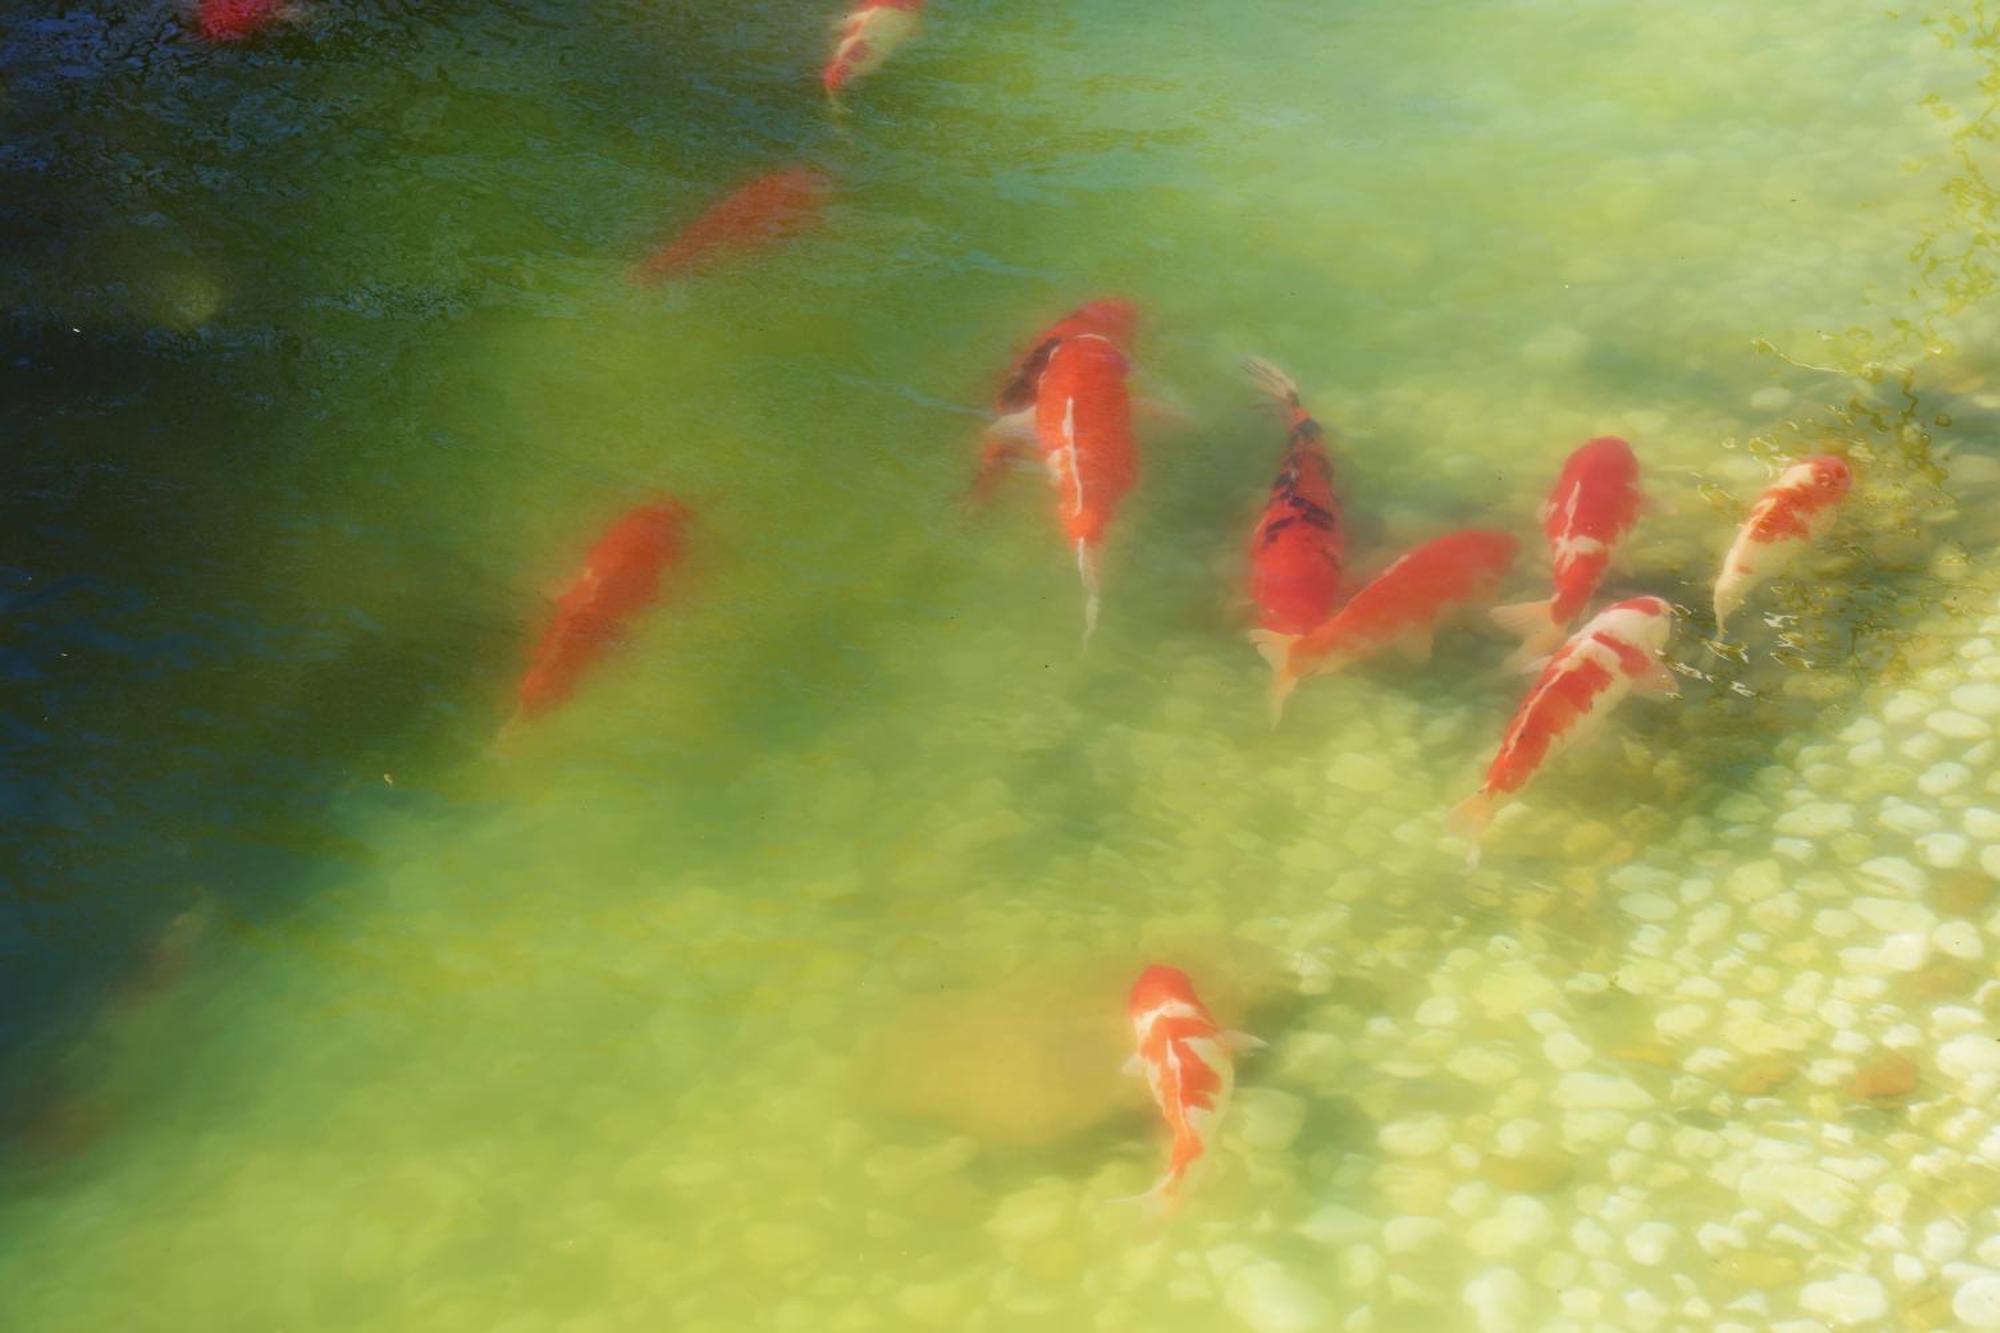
x=1011, y=437
x=1083, y=420
x=1594, y=504
x=1188, y=1064
x=1786, y=519
x=1401, y=607
x=768, y=211
x=1617, y=652
x=621, y=577
x=1297, y=548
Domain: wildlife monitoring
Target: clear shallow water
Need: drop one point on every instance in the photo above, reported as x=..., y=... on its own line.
x=777, y=982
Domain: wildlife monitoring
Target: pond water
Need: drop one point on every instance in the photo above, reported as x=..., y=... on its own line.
x=777, y=981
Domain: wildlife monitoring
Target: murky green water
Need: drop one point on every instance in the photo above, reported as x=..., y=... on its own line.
x=777, y=982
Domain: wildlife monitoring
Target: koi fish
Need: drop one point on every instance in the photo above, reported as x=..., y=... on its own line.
x=1186, y=1059
x=1786, y=519
x=1595, y=503
x=1297, y=546
x=1011, y=436
x=1401, y=607
x=621, y=576
x=1083, y=420
x=872, y=30
x=1616, y=652
x=769, y=210
x=234, y=20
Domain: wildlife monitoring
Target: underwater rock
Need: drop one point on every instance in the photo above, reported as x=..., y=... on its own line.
x=1893, y=1075
x=1976, y=1304
x=1499, y=1300
x=1270, y=1300
x=1848, y=1300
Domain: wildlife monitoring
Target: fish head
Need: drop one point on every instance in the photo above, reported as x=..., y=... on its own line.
x=1830, y=477
x=1643, y=622
x=1160, y=987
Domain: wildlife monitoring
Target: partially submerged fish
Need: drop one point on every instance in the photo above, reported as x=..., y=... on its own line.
x=1400, y=608
x=1617, y=652
x=1297, y=548
x=1787, y=518
x=235, y=20
x=620, y=578
x=872, y=30
x=768, y=211
x=1187, y=1061
x=1594, y=504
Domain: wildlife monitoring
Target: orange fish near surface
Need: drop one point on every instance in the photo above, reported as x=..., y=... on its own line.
x=1298, y=545
x=1401, y=607
x=234, y=20
x=1595, y=503
x=871, y=31
x=1011, y=436
x=621, y=577
x=768, y=211
x=1617, y=652
x=1083, y=420
x=1186, y=1059
x=1786, y=519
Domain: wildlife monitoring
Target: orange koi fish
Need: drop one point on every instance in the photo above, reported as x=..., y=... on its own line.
x=872, y=30
x=1297, y=547
x=1595, y=503
x=1401, y=607
x=621, y=577
x=1786, y=519
x=234, y=20
x=1083, y=420
x=1186, y=1059
x=1616, y=652
x=768, y=211
x=1011, y=437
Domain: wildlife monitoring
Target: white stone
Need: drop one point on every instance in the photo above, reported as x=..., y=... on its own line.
x=1440, y=1011
x=1610, y=1092
x=1590, y=1238
x=1981, y=823
x=1944, y=1240
x=1944, y=851
x=1977, y=1302
x=1815, y=819
x=1974, y=1053
x=1819, y=1196
x=1895, y=871
x=1270, y=1300
x=1982, y=700
x=1268, y=1118
x=1498, y=1299
x=1895, y=915
x=1484, y=1065
x=1650, y=1243
x=1942, y=779
x=1409, y=1235
x=1958, y=726
x=1337, y=1227
x=1903, y=817
x=1648, y=906
x=1848, y=1300
x=1904, y=953
x=1419, y=1136
x=1681, y=1021
x=1566, y=1051
x=1521, y=1221
x=1960, y=939
x=1906, y=706
x=1989, y=860
x=1835, y=923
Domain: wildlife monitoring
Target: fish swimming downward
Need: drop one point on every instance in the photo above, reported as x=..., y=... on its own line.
x=770, y=210
x=1297, y=547
x=620, y=578
x=872, y=30
x=1616, y=652
x=1188, y=1065
x=1787, y=518
x=236, y=20
x=1400, y=608
x=1594, y=504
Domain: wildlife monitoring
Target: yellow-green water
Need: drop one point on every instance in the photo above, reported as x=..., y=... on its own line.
x=777, y=982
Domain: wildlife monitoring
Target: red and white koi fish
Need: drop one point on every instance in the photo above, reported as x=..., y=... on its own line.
x=1786, y=519
x=1595, y=503
x=1616, y=652
x=872, y=30
x=768, y=211
x=1297, y=548
x=621, y=577
x=1401, y=608
x=235, y=20
x=1187, y=1061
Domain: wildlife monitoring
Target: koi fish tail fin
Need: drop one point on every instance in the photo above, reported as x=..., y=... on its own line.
x=502, y=744
x=1534, y=623
x=1158, y=1203
x=1469, y=821
x=1276, y=649
x=1086, y=570
x=1275, y=383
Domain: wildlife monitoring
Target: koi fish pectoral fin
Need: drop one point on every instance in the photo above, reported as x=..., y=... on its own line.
x=1134, y=1066
x=1658, y=682
x=1243, y=1041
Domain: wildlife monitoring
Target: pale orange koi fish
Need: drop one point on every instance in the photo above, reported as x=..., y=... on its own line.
x=1187, y=1061
x=1786, y=519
